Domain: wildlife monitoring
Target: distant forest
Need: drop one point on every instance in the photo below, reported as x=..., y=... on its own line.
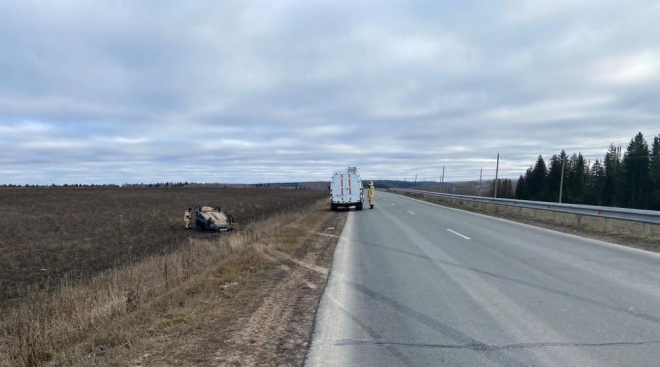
x=276, y=185
x=628, y=180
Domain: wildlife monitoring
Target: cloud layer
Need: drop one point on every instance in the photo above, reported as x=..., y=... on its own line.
x=246, y=91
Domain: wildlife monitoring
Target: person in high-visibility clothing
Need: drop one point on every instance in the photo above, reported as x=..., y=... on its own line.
x=371, y=194
x=187, y=218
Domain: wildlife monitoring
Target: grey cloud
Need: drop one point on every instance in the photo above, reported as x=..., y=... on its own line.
x=265, y=91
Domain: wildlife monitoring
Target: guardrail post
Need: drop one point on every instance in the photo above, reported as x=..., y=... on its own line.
x=608, y=224
x=647, y=229
x=555, y=217
x=579, y=220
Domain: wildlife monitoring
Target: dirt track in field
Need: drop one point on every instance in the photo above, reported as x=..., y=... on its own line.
x=258, y=312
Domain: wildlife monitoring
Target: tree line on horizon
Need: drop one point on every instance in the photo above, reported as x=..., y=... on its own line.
x=629, y=180
x=287, y=185
x=505, y=188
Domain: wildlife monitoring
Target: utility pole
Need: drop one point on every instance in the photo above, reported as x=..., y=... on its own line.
x=481, y=175
x=442, y=183
x=497, y=172
x=415, y=179
x=561, y=182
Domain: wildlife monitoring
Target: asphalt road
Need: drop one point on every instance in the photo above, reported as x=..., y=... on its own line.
x=415, y=284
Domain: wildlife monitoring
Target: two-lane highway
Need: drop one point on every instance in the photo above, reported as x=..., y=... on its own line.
x=416, y=284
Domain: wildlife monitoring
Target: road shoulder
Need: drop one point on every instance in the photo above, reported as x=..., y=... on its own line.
x=257, y=308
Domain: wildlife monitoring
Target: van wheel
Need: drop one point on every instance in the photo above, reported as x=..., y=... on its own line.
x=359, y=206
x=333, y=207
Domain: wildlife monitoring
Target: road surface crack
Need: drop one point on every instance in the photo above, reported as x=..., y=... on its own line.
x=480, y=347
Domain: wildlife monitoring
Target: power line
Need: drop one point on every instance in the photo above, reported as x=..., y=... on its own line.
x=622, y=158
x=608, y=136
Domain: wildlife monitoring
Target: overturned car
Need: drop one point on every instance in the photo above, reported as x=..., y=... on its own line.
x=213, y=219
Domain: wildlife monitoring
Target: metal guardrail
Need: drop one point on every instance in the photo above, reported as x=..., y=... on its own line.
x=633, y=215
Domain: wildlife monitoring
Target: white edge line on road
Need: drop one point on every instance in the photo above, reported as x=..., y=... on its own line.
x=458, y=234
x=411, y=212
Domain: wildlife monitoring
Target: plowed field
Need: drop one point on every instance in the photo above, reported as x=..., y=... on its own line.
x=50, y=233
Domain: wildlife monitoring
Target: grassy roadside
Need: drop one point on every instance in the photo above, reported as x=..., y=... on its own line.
x=261, y=311
x=623, y=233
x=182, y=308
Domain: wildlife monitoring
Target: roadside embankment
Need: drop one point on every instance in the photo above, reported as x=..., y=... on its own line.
x=241, y=299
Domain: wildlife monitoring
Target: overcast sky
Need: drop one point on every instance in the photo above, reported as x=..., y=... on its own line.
x=247, y=91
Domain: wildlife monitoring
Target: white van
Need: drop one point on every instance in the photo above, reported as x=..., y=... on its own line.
x=346, y=189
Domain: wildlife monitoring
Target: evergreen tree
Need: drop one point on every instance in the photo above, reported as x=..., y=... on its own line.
x=612, y=165
x=575, y=179
x=553, y=180
x=632, y=181
x=506, y=189
x=491, y=188
x=654, y=174
x=521, y=189
x=537, y=181
x=595, y=183
x=636, y=173
x=528, y=180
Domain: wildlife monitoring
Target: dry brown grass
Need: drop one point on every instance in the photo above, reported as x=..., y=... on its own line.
x=42, y=327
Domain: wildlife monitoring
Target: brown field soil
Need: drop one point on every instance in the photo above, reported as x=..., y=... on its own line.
x=47, y=234
x=253, y=305
x=623, y=232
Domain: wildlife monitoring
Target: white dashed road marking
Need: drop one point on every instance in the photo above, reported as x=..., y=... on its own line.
x=458, y=234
